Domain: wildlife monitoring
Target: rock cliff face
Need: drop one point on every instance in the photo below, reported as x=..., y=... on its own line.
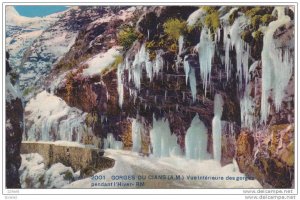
x=14, y=126
x=149, y=70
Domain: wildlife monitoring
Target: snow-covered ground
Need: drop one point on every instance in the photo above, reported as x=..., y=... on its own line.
x=131, y=164
x=34, y=173
x=62, y=143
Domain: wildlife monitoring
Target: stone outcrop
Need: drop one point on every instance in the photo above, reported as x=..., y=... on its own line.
x=84, y=158
x=14, y=127
x=268, y=155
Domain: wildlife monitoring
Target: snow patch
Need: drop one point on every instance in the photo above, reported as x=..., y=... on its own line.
x=34, y=173
x=101, y=61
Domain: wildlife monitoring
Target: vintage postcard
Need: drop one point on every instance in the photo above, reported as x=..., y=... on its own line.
x=150, y=96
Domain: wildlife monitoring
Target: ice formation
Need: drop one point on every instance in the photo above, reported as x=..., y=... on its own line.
x=11, y=92
x=111, y=143
x=159, y=63
x=241, y=49
x=276, y=67
x=120, y=74
x=137, y=130
x=226, y=41
x=193, y=84
x=217, y=127
x=196, y=140
x=180, y=44
x=232, y=39
x=149, y=67
x=186, y=67
x=53, y=119
x=206, y=50
x=247, y=104
x=137, y=66
x=163, y=142
x=190, y=75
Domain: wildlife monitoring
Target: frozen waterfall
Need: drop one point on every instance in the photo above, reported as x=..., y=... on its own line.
x=163, y=142
x=52, y=119
x=120, y=73
x=190, y=75
x=136, y=132
x=111, y=143
x=196, y=140
x=241, y=50
x=217, y=127
x=276, y=67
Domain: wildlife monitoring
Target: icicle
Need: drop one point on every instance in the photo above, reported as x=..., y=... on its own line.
x=127, y=64
x=120, y=88
x=149, y=67
x=226, y=41
x=180, y=44
x=193, y=84
x=190, y=75
x=206, y=52
x=163, y=142
x=136, y=132
x=196, y=140
x=276, y=67
x=218, y=35
x=140, y=58
x=134, y=96
x=241, y=49
x=247, y=103
x=217, y=127
x=186, y=67
x=159, y=63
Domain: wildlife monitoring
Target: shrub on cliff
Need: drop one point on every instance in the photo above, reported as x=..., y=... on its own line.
x=126, y=37
x=174, y=28
x=211, y=20
x=69, y=176
x=91, y=119
x=267, y=18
